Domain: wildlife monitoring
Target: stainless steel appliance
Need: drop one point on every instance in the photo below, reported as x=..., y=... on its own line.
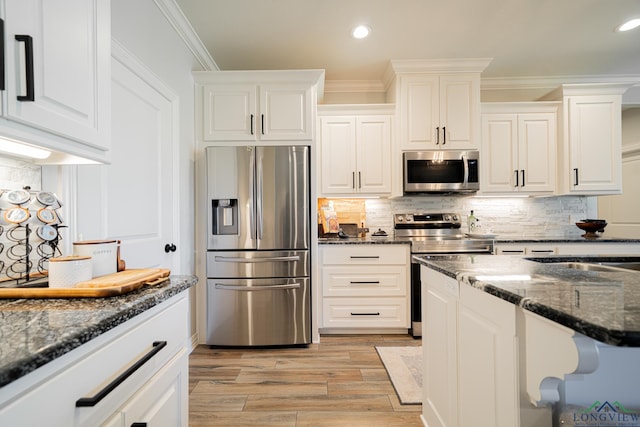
x=433, y=234
x=450, y=171
x=258, y=264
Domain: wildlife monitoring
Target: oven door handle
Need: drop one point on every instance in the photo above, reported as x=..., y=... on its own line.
x=256, y=260
x=484, y=250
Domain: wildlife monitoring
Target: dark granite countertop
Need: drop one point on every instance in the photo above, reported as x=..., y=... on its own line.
x=389, y=240
x=498, y=239
x=34, y=332
x=602, y=305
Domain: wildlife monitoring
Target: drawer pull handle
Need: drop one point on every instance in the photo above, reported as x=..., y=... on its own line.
x=364, y=282
x=365, y=257
x=94, y=400
x=366, y=314
x=139, y=425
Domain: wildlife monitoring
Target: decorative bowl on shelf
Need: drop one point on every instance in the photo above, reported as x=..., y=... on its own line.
x=591, y=227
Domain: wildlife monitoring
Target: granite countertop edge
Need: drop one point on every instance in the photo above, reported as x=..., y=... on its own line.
x=390, y=240
x=133, y=303
x=611, y=336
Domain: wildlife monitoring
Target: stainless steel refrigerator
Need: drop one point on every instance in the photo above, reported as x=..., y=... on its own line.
x=258, y=264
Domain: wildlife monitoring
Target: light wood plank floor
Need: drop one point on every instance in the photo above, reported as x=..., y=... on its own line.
x=339, y=382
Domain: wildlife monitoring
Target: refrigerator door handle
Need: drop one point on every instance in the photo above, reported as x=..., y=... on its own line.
x=252, y=203
x=256, y=260
x=259, y=192
x=224, y=287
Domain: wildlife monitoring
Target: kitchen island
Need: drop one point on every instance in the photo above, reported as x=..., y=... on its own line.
x=529, y=341
x=59, y=354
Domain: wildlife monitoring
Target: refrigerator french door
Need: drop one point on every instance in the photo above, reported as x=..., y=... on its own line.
x=258, y=284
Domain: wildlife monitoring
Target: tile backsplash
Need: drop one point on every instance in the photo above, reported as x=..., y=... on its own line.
x=518, y=217
x=16, y=174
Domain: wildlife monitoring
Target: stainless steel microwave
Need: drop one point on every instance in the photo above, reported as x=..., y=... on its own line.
x=438, y=171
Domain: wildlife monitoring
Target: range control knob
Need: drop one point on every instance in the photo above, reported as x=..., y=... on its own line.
x=399, y=218
x=455, y=217
x=447, y=217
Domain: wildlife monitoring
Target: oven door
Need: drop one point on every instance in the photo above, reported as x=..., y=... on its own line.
x=441, y=171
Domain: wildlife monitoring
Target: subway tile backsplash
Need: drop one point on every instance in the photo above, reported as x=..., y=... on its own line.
x=518, y=217
x=15, y=174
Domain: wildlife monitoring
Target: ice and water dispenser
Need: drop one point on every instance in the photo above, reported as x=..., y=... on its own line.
x=224, y=216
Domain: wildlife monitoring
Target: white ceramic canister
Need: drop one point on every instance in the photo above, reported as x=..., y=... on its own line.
x=66, y=271
x=104, y=254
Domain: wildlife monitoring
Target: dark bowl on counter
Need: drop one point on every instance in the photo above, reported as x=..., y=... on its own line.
x=590, y=227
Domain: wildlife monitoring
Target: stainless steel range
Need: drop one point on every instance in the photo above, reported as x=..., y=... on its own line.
x=433, y=234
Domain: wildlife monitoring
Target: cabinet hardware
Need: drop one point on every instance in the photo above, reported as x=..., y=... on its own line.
x=2, y=86
x=514, y=251
x=139, y=425
x=262, y=123
x=364, y=282
x=517, y=178
x=541, y=251
x=437, y=135
x=444, y=135
x=522, y=171
x=359, y=179
x=366, y=314
x=251, y=124
x=575, y=171
x=94, y=400
x=353, y=180
x=169, y=247
x=28, y=62
x=365, y=257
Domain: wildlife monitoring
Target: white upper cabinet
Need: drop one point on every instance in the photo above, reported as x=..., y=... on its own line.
x=356, y=155
x=519, y=143
x=439, y=111
x=256, y=106
x=590, y=157
x=57, y=83
x=438, y=103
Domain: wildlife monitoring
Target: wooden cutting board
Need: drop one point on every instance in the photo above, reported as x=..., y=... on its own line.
x=104, y=286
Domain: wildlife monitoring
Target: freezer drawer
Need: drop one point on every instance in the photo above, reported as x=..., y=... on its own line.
x=258, y=312
x=255, y=264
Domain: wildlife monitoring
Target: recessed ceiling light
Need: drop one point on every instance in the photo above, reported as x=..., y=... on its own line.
x=629, y=25
x=360, y=32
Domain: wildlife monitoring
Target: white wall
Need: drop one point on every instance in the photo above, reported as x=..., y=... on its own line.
x=623, y=211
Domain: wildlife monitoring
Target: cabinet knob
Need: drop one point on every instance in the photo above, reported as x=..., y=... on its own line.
x=169, y=247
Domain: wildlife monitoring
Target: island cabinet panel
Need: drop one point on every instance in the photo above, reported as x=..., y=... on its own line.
x=364, y=287
x=158, y=389
x=439, y=357
x=487, y=360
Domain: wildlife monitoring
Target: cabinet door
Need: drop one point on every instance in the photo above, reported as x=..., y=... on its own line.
x=285, y=112
x=459, y=111
x=537, y=152
x=487, y=360
x=229, y=112
x=70, y=84
x=419, y=112
x=499, y=153
x=595, y=144
x=338, y=136
x=373, y=136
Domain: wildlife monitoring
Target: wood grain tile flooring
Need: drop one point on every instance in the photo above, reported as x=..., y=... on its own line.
x=338, y=382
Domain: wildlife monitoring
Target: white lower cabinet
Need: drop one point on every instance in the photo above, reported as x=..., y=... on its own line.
x=525, y=249
x=581, y=248
x=75, y=389
x=471, y=358
x=364, y=287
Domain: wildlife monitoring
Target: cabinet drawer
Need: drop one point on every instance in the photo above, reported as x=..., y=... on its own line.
x=87, y=370
x=369, y=281
x=365, y=312
x=366, y=254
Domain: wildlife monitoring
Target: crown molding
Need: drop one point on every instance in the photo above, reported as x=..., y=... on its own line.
x=183, y=27
x=553, y=82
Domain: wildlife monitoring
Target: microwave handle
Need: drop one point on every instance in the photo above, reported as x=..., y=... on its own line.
x=465, y=162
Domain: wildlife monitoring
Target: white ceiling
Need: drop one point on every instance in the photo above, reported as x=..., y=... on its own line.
x=525, y=38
